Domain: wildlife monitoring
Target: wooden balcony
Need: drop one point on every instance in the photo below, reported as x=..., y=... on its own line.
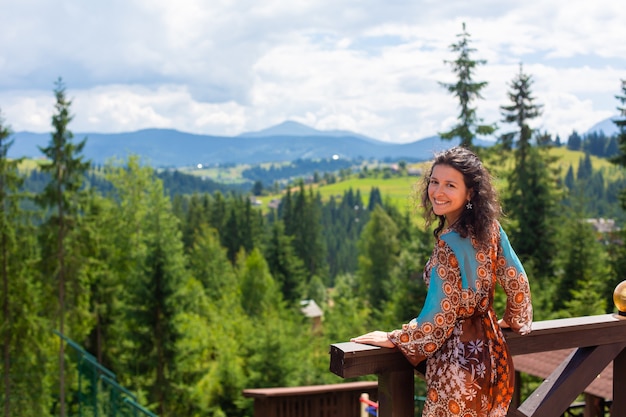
x=597, y=341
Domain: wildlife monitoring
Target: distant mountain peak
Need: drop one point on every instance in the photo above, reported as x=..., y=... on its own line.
x=606, y=126
x=292, y=128
x=286, y=128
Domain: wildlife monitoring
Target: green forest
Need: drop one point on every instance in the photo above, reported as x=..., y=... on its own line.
x=190, y=297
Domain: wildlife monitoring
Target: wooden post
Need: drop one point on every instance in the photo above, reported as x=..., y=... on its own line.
x=395, y=374
x=395, y=394
x=517, y=395
x=619, y=385
x=594, y=406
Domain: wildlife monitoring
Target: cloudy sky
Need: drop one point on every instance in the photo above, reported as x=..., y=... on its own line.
x=224, y=67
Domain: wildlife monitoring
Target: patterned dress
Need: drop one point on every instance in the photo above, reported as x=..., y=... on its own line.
x=469, y=371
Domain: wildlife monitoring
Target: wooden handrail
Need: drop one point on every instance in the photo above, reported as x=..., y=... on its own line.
x=598, y=341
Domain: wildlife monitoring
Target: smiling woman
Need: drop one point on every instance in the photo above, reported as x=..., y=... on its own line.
x=468, y=367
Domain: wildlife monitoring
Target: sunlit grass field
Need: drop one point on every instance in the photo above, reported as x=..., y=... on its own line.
x=403, y=192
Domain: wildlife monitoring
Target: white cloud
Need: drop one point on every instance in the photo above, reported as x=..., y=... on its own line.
x=228, y=66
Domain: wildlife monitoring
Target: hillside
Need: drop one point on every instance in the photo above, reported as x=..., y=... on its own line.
x=401, y=190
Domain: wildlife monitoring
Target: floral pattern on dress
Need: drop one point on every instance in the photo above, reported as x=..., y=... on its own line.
x=469, y=370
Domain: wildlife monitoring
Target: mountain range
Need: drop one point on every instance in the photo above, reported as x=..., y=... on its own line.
x=287, y=141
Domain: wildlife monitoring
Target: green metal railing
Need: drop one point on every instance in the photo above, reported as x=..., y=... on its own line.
x=98, y=393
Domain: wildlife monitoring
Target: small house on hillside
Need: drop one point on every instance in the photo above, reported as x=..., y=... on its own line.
x=602, y=225
x=311, y=310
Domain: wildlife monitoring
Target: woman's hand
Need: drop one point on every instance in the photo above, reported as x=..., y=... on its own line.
x=376, y=338
x=503, y=324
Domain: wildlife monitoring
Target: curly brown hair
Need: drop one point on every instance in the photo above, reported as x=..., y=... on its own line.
x=486, y=208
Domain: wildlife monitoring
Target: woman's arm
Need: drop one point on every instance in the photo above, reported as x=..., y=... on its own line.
x=512, y=277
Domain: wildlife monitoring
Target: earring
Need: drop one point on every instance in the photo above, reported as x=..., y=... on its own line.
x=468, y=205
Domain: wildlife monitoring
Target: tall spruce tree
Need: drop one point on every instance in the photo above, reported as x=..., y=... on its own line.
x=28, y=381
x=302, y=218
x=530, y=196
x=583, y=267
x=520, y=112
x=67, y=170
x=150, y=257
x=378, y=252
x=9, y=183
x=97, y=245
x=467, y=92
x=286, y=268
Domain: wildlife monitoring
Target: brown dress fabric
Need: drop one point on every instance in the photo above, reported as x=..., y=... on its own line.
x=469, y=371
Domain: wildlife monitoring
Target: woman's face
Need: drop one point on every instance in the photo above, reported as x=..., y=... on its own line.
x=447, y=192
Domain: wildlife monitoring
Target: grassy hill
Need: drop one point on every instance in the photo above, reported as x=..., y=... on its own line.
x=400, y=190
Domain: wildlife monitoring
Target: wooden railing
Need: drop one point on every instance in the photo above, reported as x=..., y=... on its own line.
x=597, y=340
x=311, y=401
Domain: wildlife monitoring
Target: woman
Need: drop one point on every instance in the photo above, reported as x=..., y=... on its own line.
x=469, y=371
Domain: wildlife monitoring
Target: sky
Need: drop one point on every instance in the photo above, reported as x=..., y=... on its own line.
x=226, y=67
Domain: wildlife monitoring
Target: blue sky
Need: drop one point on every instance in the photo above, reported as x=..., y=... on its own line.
x=224, y=67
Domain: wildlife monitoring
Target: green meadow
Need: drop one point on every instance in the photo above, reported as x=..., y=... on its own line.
x=402, y=191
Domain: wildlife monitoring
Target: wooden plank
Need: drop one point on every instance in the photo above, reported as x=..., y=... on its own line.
x=349, y=360
x=569, y=380
x=569, y=333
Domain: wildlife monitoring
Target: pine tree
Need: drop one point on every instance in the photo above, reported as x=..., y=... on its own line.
x=406, y=286
x=150, y=255
x=303, y=222
x=233, y=230
x=574, y=142
x=583, y=267
x=522, y=110
x=375, y=199
x=342, y=224
x=67, y=170
x=286, y=268
x=155, y=298
x=378, y=251
x=531, y=192
x=95, y=237
x=23, y=329
x=467, y=91
x=209, y=374
x=530, y=202
x=196, y=215
x=585, y=168
x=209, y=263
